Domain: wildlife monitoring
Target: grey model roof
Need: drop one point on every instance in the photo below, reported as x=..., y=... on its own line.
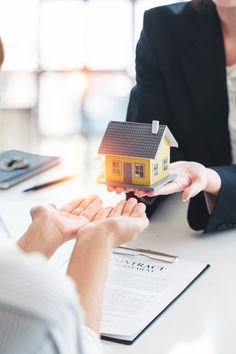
x=134, y=139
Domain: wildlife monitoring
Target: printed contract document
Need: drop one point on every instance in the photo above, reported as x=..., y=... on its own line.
x=139, y=287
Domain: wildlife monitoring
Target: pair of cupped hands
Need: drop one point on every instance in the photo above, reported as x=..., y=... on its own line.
x=84, y=218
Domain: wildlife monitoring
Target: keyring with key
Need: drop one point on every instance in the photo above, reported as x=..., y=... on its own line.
x=13, y=163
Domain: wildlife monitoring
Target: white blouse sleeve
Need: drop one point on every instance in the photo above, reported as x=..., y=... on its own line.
x=39, y=308
x=92, y=343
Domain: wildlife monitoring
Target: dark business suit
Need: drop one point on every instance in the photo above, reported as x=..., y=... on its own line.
x=181, y=81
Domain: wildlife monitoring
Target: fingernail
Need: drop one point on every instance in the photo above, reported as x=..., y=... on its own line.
x=186, y=199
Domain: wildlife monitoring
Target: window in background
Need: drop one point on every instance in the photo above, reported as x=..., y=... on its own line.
x=19, y=21
x=62, y=34
x=69, y=63
x=60, y=103
x=106, y=99
x=108, y=44
x=18, y=89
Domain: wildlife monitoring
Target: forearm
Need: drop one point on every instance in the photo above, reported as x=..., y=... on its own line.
x=88, y=267
x=41, y=236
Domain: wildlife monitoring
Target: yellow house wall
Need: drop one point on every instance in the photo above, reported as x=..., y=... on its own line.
x=115, y=178
x=164, y=152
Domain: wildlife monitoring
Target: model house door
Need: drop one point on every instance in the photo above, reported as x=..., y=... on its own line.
x=127, y=172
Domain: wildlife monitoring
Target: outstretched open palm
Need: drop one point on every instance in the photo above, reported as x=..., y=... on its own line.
x=69, y=219
x=191, y=179
x=125, y=221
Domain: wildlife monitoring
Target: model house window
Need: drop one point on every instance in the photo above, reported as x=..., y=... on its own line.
x=116, y=167
x=155, y=169
x=139, y=170
x=165, y=164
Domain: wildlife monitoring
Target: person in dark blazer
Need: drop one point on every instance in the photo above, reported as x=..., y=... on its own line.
x=184, y=62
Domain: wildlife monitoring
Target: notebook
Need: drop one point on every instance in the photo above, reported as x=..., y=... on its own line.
x=141, y=285
x=16, y=166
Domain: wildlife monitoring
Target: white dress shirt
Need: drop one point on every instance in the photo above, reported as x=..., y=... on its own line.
x=40, y=311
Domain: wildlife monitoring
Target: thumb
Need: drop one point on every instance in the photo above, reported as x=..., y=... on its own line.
x=35, y=211
x=191, y=191
x=39, y=211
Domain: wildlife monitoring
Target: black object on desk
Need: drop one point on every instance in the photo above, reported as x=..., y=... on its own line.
x=48, y=184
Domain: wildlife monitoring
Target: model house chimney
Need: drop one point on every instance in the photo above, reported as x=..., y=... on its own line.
x=155, y=126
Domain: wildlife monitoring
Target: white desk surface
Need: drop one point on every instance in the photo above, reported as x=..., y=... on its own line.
x=203, y=319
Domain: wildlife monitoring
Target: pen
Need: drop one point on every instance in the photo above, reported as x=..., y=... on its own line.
x=48, y=184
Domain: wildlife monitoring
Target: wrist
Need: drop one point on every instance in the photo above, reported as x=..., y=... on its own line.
x=213, y=182
x=98, y=233
x=41, y=236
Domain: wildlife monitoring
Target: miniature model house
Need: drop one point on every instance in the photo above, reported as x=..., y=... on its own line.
x=137, y=154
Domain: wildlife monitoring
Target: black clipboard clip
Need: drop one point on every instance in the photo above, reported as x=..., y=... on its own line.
x=154, y=255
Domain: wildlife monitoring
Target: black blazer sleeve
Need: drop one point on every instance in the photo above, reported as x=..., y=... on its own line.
x=223, y=216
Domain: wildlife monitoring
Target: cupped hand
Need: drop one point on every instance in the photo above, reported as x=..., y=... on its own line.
x=120, y=224
x=192, y=178
x=67, y=221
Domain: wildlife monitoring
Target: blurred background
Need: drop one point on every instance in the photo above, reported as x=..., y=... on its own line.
x=68, y=70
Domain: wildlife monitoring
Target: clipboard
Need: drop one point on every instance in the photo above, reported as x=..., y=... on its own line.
x=177, y=286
